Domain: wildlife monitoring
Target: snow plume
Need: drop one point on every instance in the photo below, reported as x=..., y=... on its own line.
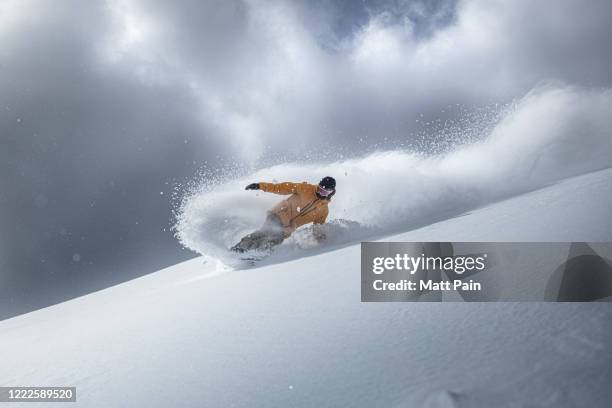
x=553, y=132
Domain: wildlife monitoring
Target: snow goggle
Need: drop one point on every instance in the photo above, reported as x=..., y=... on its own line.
x=323, y=192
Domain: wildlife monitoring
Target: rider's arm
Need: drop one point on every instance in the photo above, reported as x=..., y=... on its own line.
x=280, y=188
x=322, y=217
x=318, y=231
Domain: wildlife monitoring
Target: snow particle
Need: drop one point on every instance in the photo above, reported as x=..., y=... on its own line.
x=76, y=257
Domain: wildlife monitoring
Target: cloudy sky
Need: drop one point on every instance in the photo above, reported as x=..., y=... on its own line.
x=106, y=105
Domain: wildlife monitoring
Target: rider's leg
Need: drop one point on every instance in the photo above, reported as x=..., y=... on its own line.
x=269, y=235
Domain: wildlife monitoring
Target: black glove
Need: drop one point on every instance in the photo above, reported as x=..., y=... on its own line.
x=252, y=186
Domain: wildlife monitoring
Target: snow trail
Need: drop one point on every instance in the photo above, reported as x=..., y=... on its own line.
x=552, y=133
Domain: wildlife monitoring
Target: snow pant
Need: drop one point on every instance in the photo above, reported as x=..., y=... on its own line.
x=268, y=236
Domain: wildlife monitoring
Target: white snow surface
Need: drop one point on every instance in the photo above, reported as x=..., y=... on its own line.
x=293, y=332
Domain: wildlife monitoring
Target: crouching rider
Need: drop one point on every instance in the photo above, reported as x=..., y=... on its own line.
x=307, y=203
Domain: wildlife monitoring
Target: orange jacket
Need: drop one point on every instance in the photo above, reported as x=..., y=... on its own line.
x=302, y=207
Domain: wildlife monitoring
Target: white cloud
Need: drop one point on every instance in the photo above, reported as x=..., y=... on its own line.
x=260, y=77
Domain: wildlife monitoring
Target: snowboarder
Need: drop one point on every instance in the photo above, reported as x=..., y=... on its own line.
x=307, y=204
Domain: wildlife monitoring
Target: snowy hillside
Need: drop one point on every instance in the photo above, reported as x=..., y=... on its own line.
x=293, y=332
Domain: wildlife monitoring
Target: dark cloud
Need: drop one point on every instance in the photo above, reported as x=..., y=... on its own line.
x=86, y=151
x=104, y=106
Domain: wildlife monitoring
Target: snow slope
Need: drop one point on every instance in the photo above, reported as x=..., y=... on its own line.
x=295, y=333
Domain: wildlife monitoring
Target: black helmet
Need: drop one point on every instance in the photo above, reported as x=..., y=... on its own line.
x=328, y=183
